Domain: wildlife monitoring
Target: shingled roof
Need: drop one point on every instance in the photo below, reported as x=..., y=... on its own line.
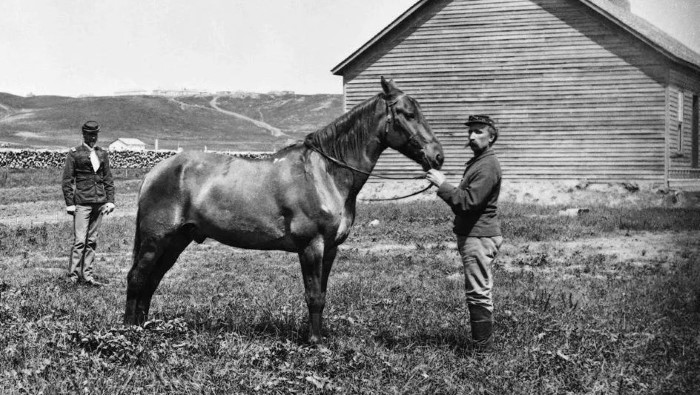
x=645, y=31
x=635, y=25
x=129, y=141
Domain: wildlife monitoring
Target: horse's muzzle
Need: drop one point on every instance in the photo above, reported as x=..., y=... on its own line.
x=433, y=158
x=439, y=160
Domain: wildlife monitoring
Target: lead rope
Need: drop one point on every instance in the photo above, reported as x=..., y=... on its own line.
x=399, y=197
x=343, y=164
x=347, y=166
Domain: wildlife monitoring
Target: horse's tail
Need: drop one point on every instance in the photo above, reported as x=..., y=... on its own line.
x=137, y=232
x=137, y=238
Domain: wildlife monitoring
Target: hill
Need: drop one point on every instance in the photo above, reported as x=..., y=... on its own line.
x=242, y=122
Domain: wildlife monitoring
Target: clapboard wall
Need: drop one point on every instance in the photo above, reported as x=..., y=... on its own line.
x=575, y=95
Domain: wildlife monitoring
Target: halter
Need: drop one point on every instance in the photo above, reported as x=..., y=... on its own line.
x=391, y=117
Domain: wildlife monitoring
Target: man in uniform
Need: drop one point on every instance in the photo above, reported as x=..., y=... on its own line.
x=88, y=190
x=476, y=223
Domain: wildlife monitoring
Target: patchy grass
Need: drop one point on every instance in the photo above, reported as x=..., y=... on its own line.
x=524, y=222
x=570, y=317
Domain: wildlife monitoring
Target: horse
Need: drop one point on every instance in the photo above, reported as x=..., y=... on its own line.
x=300, y=199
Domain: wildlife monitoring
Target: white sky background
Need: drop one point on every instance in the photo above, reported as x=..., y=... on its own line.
x=74, y=47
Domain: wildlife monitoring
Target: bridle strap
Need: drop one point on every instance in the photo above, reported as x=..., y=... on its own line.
x=347, y=166
x=336, y=161
x=391, y=119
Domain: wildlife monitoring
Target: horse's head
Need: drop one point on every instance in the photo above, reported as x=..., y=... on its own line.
x=406, y=129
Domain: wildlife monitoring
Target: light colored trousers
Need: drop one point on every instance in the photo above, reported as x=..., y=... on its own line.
x=478, y=253
x=86, y=223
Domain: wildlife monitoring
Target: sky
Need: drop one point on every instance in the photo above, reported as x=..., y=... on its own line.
x=98, y=47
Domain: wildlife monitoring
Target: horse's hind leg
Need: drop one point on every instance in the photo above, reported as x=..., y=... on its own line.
x=153, y=259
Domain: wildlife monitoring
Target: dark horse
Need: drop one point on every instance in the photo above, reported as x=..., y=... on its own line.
x=301, y=199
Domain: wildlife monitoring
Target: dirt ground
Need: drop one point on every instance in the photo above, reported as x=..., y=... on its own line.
x=579, y=194
x=642, y=249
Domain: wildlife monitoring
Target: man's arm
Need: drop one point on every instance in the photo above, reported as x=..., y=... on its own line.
x=67, y=180
x=108, y=180
x=472, y=198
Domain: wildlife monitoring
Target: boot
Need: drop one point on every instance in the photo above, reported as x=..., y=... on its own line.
x=482, y=328
x=89, y=280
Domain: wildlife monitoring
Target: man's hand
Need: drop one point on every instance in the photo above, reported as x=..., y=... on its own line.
x=107, y=208
x=70, y=210
x=435, y=177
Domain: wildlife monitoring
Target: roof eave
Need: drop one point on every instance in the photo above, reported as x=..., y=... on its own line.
x=338, y=70
x=658, y=48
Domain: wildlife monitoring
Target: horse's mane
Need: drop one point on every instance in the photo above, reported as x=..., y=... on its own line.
x=346, y=137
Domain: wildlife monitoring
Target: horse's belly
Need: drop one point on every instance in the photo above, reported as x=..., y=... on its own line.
x=241, y=210
x=255, y=241
x=243, y=230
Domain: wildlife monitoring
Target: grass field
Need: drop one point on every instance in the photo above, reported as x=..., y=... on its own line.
x=608, y=302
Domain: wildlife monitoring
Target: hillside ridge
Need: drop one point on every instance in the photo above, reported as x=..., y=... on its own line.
x=223, y=122
x=277, y=132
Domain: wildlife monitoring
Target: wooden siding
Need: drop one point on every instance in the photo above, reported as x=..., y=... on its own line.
x=574, y=95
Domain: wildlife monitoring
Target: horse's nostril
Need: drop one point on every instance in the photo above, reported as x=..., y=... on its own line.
x=439, y=159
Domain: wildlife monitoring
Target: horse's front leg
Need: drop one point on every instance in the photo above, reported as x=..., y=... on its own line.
x=311, y=258
x=328, y=259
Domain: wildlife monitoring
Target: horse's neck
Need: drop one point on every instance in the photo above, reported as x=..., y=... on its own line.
x=360, y=143
x=372, y=146
x=366, y=161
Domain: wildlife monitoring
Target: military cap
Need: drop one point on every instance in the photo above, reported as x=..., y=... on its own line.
x=484, y=119
x=91, y=127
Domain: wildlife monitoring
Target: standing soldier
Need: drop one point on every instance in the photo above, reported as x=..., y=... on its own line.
x=88, y=190
x=476, y=223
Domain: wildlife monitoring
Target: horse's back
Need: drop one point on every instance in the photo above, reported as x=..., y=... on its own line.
x=237, y=201
x=167, y=192
x=166, y=179
x=188, y=171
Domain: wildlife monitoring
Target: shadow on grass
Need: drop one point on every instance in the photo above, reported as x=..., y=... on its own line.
x=265, y=327
x=289, y=327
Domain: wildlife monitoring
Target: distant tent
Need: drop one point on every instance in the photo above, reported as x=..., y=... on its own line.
x=127, y=144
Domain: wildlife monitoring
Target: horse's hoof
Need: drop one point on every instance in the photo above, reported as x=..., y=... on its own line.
x=133, y=320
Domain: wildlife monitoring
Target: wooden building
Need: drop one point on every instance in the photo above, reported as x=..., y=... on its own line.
x=580, y=89
x=127, y=144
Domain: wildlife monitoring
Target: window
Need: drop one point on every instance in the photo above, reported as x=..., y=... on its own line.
x=694, y=133
x=680, y=121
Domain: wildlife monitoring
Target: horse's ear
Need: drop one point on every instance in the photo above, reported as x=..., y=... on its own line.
x=385, y=86
x=389, y=87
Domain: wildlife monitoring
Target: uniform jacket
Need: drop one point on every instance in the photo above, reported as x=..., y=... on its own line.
x=474, y=201
x=81, y=183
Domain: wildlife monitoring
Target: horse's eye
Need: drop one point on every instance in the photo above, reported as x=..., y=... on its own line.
x=409, y=115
